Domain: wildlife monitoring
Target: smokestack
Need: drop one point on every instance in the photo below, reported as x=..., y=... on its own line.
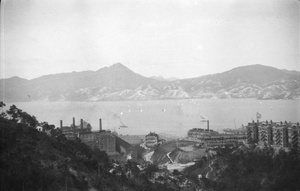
x=208, y=125
x=74, y=131
x=81, y=124
x=61, y=124
x=100, y=124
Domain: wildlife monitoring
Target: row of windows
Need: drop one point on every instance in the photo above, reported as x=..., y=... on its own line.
x=226, y=138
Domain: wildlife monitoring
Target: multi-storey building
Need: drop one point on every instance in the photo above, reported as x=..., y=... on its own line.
x=294, y=136
x=222, y=140
x=252, y=132
x=265, y=133
x=280, y=136
x=151, y=139
x=199, y=133
x=275, y=134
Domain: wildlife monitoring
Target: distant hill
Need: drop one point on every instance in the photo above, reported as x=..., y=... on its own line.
x=255, y=81
x=118, y=82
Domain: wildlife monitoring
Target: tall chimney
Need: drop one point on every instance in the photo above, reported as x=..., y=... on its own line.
x=74, y=130
x=61, y=124
x=100, y=124
x=208, y=125
x=81, y=124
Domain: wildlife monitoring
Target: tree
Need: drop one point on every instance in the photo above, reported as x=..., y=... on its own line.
x=2, y=114
x=19, y=116
x=150, y=170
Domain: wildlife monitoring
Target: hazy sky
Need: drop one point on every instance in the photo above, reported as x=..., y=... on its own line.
x=172, y=38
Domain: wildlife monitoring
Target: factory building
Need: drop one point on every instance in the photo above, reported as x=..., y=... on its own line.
x=198, y=133
x=103, y=140
x=222, y=140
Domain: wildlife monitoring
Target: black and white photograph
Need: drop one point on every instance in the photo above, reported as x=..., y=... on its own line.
x=142, y=95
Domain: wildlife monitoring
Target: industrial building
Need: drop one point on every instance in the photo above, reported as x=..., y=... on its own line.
x=222, y=140
x=210, y=138
x=198, y=133
x=103, y=140
x=131, y=139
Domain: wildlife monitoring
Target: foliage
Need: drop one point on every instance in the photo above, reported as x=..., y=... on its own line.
x=19, y=116
x=257, y=169
x=46, y=160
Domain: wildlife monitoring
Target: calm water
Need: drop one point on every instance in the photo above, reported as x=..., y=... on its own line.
x=164, y=116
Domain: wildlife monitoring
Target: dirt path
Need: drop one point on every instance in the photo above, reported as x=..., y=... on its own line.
x=211, y=169
x=169, y=157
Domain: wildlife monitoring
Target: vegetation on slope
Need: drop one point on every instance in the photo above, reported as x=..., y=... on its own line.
x=46, y=160
x=251, y=169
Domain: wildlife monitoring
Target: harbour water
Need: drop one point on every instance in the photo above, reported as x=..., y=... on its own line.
x=173, y=117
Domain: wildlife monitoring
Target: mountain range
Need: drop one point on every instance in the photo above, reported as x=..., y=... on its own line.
x=118, y=82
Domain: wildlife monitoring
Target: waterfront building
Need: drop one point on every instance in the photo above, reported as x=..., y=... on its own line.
x=222, y=140
x=198, y=133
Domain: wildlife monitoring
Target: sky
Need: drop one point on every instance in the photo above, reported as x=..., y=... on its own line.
x=171, y=38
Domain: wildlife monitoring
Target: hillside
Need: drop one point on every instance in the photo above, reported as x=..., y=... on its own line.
x=118, y=82
x=248, y=167
x=46, y=160
x=254, y=81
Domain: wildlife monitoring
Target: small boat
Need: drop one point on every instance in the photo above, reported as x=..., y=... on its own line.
x=123, y=126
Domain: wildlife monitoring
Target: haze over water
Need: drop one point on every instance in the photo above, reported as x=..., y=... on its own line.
x=174, y=117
